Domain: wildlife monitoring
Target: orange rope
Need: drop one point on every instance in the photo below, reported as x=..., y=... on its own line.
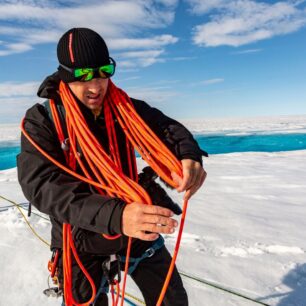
x=106, y=170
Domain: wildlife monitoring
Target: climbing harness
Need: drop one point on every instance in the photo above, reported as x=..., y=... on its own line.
x=111, y=269
x=108, y=275
x=148, y=253
x=106, y=173
x=55, y=291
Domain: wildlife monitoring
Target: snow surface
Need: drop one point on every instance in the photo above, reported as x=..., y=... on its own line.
x=227, y=126
x=9, y=132
x=245, y=230
x=246, y=126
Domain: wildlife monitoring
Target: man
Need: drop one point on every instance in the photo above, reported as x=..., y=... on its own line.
x=67, y=199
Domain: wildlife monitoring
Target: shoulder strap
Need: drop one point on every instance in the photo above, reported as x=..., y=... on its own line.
x=56, y=113
x=61, y=112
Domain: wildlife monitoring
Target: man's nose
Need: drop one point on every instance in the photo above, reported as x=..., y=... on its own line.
x=94, y=85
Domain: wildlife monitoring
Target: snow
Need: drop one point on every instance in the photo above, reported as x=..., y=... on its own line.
x=245, y=230
x=9, y=132
x=228, y=126
x=247, y=126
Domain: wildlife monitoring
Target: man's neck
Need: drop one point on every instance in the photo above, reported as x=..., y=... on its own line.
x=96, y=112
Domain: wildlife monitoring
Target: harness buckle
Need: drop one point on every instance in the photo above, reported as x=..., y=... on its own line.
x=53, y=292
x=65, y=145
x=111, y=268
x=150, y=252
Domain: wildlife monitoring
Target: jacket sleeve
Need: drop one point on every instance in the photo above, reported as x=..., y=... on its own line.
x=175, y=136
x=55, y=192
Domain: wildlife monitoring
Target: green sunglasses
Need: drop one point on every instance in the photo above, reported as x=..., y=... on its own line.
x=87, y=74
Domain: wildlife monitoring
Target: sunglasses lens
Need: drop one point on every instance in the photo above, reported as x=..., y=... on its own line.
x=107, y=71
x=87, y=74
x=84, y=74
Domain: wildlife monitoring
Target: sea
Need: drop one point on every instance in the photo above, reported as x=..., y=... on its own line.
x=212, y=144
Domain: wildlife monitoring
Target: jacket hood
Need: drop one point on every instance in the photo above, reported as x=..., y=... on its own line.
x=49, y=87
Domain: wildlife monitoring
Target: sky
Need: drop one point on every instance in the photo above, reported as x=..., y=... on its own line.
x=189, y=58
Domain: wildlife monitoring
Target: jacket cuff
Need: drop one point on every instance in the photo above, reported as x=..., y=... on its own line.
x=115, y=222
x=108, y=219
x=196, y=156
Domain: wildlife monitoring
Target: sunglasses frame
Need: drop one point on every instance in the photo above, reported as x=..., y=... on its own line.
x=94, y=70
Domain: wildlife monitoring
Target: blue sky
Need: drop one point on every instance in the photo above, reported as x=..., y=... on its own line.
x=190, y=58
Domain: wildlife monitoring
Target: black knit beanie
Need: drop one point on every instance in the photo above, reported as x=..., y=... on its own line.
x=81, y=48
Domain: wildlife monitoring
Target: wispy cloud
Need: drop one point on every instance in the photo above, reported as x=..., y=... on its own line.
x=141, y=53
x=11, y=89
x=183, y=58
x=212, y=81
x=154, y=94
x=142, y=43
x=26, y=23
x=13, y=48
x=140, y=58
x=240, y=22
x=247, y=51
x=14, y=108
x=130, y=79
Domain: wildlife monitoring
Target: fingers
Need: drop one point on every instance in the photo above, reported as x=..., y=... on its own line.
x=160, y=220
x=158, y=229
x=190, y=173
x=187, y=176
x=199, y=182
x=146, y=222
x=193, y=178
x=157, y=210
x=176, y=178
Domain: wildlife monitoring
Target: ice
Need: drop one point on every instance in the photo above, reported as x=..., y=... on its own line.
x=245, y=229
x=227, y=126
x=247, y=126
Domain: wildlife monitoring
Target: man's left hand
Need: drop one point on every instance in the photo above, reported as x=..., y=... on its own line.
x=193, y=178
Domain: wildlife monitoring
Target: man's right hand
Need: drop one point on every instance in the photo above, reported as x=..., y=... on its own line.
x=147, y=221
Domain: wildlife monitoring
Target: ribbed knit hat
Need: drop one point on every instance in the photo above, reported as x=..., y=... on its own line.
x=81, y=48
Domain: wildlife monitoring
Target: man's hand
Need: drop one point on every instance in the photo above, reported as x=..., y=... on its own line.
x=193, y=177
x=147, y=221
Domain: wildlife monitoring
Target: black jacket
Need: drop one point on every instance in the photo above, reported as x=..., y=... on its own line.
x=67, y=199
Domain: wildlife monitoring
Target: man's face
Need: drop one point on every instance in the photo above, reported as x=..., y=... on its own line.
x=90, y=93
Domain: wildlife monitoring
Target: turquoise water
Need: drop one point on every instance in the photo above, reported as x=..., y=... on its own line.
x=220, y=144
x=8, y=156
x=213, y=144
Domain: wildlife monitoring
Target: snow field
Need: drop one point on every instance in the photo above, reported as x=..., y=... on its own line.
x=245, y=229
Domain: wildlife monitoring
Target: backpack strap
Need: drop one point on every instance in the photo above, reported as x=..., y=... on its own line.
x=61, y=112
x=57, y=115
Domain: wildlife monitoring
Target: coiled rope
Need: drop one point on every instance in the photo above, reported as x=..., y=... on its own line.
x=107, y=175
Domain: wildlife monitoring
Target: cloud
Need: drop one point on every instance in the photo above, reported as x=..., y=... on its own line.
x=212, y=81
x=14, y=108
x=141, y=58
x=157, y=94
x=247, y=51
x=183, y=58
x=240, y=22
x=24, y=24
x=143, y=43
x=14, y=48
x=141, y=54
x=129, y=79
x=171, y=3
x=11, y=89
